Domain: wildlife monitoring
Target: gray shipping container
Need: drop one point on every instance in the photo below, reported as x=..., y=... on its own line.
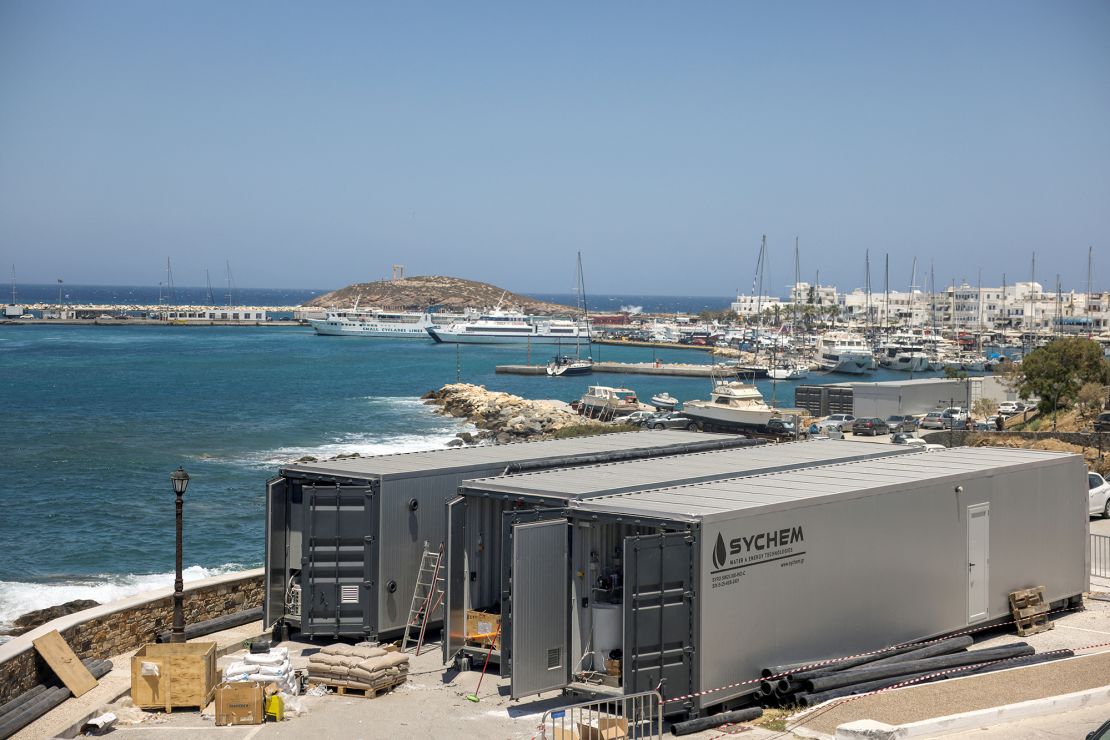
x=478, y=567
x=344, y=538
x=717, y=580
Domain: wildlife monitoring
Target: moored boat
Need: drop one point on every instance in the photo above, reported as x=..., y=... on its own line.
x=664, y=401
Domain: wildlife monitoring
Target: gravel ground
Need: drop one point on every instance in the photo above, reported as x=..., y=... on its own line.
x=965, y=695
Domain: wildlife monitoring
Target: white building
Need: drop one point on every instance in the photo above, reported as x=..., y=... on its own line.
x=753, y=305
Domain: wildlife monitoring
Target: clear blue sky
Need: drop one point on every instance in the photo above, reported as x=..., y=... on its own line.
x=315, y=144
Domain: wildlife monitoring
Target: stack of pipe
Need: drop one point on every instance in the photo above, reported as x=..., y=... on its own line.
x=37, y=701
x=797, y=684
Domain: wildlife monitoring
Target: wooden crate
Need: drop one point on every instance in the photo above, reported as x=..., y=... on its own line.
x=187, y=675
x=1030, y=611
x=481, y=628
x=378, y=688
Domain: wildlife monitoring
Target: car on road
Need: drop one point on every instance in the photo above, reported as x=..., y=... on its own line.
x=1098, y=495
x=836, y=421
x=636, y=417
x=934, y=420
x=670, y=420
x=901, y=423
x=871, y=426
x=781, y=427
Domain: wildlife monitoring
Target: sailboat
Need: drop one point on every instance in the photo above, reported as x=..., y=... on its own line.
x=562, y=364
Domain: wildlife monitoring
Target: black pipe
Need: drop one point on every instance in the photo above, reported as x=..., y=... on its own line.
x=944, y=647
x=787, y=686
x=217, y=624
x=1020, y=662
x=778, y=670
x=688, y=448
x=25, y=696
x=841, y=665
x=865, y=674
x=716, y=720
x=44, y=701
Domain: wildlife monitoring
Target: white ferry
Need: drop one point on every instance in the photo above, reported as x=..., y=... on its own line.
x=507, y=327
x=844, y=352
x=373, y=322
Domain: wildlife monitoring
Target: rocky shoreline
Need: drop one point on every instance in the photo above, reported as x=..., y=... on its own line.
x=503, y=417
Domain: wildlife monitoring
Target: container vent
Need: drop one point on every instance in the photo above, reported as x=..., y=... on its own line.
x=348, y=595
x=554, y=657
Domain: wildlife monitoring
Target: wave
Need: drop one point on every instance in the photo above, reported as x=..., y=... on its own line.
x=365, y=445
x=19, y=597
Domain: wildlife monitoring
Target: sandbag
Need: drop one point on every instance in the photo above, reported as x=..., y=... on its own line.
x=263, y=659
x=273, y=670
x=383, y=661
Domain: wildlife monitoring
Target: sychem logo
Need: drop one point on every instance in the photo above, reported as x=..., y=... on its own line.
x=720, y=552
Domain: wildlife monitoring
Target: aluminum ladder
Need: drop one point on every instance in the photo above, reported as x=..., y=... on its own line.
x=427, y=595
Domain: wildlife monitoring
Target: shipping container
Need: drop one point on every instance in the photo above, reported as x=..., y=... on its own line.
x=344, y=538
x=701, y=586
x=477, y=558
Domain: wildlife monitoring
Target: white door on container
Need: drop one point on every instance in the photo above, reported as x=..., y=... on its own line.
x=978, y=562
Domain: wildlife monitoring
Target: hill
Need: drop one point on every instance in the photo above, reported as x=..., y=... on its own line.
x=424, y=291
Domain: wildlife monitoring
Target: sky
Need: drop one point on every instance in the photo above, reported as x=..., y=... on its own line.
x=317, y=144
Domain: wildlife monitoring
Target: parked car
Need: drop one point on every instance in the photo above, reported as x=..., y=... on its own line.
x=1098, y=495
x=670, y=420
x=636, y=417
x=955, y=412
x=1008, y=408
x=837, y=421
x=934, y=420
x=871, y=426
x=781, y=427
x=901, y=423
x=901, y=438
x=1102, y=422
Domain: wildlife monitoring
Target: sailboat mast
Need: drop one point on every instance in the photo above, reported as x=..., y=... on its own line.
x=867, y=289
x=797, y=280
x=1087, y=303
x=171, y=294
x=886, y=298
x=228, y=264
x=13, y=285
x=913, y=292
x=208, y=288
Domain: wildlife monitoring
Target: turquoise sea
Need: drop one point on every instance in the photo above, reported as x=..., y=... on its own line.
x=95, y=418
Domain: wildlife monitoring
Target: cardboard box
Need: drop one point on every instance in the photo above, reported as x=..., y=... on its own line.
x=608, y=728
x=481, y=628
x=168, y=675
x=240, y=703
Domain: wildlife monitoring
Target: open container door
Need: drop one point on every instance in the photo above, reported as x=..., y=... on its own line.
x=509, y=520
x=659, y=613
x=277, y=551
x=540, y=601
x=454, y=609
x=338, y=568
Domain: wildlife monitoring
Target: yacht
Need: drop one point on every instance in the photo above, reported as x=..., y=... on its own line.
x=787, y=371
x=566, y=365
x=910, y=358
x=664, y=401
x=732, y=406
x=605, y=401
x=844, y=352
x=507, y=327
x=372, y=322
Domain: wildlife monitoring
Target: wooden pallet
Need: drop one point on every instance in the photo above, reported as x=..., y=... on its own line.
x=1030, y=611
x=373, y=692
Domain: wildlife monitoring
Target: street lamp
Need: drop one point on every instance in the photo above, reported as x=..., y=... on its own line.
x=180, y=480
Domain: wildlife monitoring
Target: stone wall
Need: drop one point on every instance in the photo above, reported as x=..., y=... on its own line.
x=958, y=438
x=112, y=629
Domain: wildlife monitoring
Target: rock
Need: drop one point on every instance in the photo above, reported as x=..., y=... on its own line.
x=503, y=417
x=307, y=459
x=30, y=620
x=467, y=437
x=455, y=443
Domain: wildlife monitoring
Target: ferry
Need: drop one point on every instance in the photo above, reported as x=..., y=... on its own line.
x=373, y=322
x=844, y=352
x=507, y=327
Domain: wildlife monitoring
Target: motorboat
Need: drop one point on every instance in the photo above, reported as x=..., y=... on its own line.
x=904, y=357
x=605, y=401
x=664, y=401
x=787, y=372
x=844, y=352
x=732, y=406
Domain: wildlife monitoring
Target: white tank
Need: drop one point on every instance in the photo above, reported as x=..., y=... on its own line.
x=608, y=622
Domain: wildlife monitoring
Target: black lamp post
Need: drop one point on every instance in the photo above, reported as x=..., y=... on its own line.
x=180, y=480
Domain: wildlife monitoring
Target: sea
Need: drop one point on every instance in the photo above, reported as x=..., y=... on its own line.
x=95, y=418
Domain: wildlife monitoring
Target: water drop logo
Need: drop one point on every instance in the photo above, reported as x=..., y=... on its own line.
x=719, y=552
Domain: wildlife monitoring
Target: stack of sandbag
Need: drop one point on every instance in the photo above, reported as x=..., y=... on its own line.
x=356, y=666
x=270, y=667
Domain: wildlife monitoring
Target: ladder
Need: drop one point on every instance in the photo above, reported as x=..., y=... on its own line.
x=427, y=595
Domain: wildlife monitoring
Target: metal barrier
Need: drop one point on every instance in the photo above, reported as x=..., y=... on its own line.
x=1100, y=555
x=632, y=716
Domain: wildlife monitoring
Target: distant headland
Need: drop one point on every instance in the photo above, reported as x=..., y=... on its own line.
x=423, y=291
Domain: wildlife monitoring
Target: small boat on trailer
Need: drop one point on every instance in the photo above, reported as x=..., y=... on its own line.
x=664, y=401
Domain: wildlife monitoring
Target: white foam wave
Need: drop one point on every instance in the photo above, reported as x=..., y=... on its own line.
x=19, y=597
x=364, y=445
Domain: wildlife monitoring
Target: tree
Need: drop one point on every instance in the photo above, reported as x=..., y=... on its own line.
x=985, y=407
x=1056, y=372
x=1090, y=400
